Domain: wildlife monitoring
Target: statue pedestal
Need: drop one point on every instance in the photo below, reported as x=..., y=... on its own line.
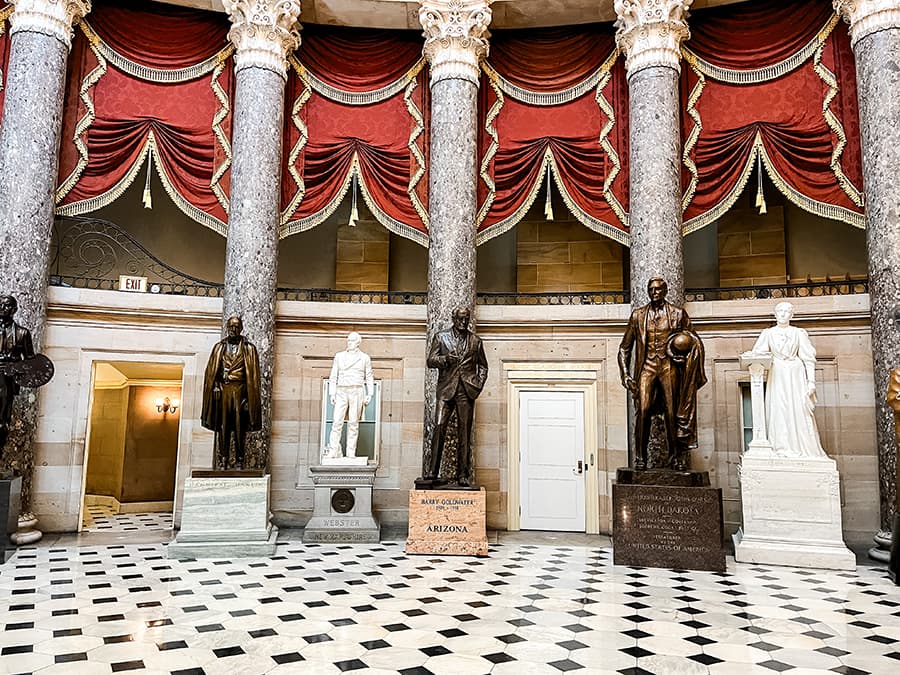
x=342, y=506
x=225, y=516
x=447, y=522
x=670, y=519
x=345, y=461
x=10, y=505
x=792, y=513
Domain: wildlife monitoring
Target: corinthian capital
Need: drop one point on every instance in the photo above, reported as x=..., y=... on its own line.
x=50, y=17
x=868, y=16
x=456, y=33
x=650, y=32
x=264, y=32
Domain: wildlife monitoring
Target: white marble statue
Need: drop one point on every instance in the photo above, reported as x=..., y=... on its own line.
x=350, y=388
x=790, y=387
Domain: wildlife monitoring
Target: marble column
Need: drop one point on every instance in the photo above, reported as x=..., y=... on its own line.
x=264, y=32
x=456, y=33
x=41, y=36
x=649, y=33
x=875, y=38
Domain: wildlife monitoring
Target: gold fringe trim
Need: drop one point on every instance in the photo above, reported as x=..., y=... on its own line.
x=81, y=128
x=363, y=97
x=767, y=73
x=606, y=107
x=111, y=195
x=300, y=125
x=5, y=13
x=484, y=172
x=836, y=127
x=146, y=72
x=693, y=136
x=320, y=216
x=813, y=206
x=219, y=133
x=415, y=152
x=551, y=97
x=822, y=209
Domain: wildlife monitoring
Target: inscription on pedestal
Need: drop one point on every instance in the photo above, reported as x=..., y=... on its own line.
x=672, y=527
x=342, y=505
x=448, y=522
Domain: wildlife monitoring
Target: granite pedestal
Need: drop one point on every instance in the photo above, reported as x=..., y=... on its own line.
x=225, y=516
x=342, y=506
x=10, y=505
x=792, y=513
x=667, y=525
x=447, y=522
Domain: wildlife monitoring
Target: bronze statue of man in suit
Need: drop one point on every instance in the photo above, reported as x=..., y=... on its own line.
x=668, y=370
x=15, y=346
x=231, y=394
x=458, y=354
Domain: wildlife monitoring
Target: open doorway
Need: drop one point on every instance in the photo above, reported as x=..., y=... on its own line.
x=132, y=447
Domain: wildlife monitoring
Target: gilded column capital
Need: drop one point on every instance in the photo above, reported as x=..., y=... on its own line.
x=264, y=32
x=50, y=17
x=868, y=16
x=650, y=32
x=456, y=37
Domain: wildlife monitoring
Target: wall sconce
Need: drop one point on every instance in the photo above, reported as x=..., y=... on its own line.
x=166, y=404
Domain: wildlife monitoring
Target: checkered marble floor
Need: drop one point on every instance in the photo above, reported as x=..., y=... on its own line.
x=105, y=519
x=528, y=608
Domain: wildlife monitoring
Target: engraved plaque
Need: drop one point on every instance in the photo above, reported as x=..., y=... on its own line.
x=342, y=501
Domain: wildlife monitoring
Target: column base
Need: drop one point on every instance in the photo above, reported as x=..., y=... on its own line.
x=27, y=532
x=881, y=551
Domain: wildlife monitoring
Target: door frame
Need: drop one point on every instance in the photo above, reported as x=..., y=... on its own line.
x=561, y=377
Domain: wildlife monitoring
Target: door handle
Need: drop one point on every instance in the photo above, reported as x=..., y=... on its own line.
x=579, y=469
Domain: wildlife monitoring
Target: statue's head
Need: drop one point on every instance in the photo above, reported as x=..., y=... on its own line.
x=8, y=306
x=461, y=317
x=657, y=288
x=784, y=312
x=234, y=326
x=353, y=341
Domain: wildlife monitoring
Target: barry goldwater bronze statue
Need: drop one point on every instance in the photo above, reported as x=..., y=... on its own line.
x=231, y=395
x=19, y=365
x=458, y=355
x=666, y=373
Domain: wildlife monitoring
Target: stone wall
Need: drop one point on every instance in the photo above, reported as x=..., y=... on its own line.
x=362, y=257
x=107, y=441
x=96, y=325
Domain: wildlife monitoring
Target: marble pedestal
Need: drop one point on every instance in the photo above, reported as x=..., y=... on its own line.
x=447, y=522
x=342, y=506
x=344, y=461
x=225, y=517
x=792, y=513
x=10, y=505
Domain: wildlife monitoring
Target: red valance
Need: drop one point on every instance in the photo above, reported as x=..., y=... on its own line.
x=554, y=99
x=5, y=11
x=166, y=103
x=795, y=113
x=346, y=117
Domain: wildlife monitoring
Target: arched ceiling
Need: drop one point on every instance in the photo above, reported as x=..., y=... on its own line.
x=405, y=13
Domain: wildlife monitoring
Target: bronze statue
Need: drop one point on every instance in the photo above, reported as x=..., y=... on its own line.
x=893, y=401
x=231, y=394
x=458, y=355
x=667, y=372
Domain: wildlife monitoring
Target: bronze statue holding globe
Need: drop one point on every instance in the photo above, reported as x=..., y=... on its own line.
x=663, y=378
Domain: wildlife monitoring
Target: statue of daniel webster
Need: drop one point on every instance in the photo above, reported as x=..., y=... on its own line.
x=667, y=372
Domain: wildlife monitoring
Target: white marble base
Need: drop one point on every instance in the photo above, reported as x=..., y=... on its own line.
x=225, y=517
x=342, y=505
x=344, y=461
x=792, y=513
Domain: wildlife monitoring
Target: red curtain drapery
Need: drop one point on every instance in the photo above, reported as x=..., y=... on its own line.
x=554, y=99
x=5, y=11
x=777, y=91
x=356, y=105
x=142, y=83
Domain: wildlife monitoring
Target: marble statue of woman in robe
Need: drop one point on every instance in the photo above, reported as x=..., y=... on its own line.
x=790, y=387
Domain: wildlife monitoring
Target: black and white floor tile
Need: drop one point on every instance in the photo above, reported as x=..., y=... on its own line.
x=105, y=519
x=528, y=608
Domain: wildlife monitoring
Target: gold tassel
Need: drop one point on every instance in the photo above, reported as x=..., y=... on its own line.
x=354, y=212
x=148, y=199
x=548, y=205
x=760, y=197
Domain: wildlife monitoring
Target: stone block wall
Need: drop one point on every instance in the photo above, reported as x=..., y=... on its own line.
x=362, y=257
x=752, y=247
x=85, y=326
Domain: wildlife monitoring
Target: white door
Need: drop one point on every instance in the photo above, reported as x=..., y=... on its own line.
x=551, y=446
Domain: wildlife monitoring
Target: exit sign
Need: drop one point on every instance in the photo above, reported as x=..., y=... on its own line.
x=133, y=284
